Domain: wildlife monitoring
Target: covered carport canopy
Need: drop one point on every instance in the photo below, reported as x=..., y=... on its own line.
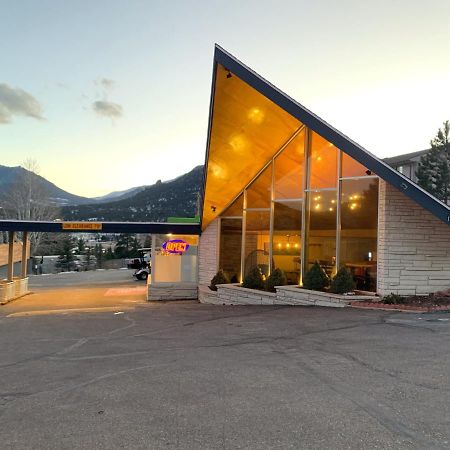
x=99, y=227
x=27, y=226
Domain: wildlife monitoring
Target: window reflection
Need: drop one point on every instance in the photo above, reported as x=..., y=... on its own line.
x=289, y=169
x=259, y=192
x=321, y=235
x=286, y=241
x=323, y=163
x=256, y=251
x=235, y=209
x=352, y=168
x=230, y=247
x=359, y=218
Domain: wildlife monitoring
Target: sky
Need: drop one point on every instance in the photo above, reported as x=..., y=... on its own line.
x=110, y=94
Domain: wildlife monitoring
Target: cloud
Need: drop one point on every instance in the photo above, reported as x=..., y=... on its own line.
x=107, y=109
x=107, y=83
x=17, y=102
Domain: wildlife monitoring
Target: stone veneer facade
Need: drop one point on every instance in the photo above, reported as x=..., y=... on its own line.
x=208, y=253
x=413, y=246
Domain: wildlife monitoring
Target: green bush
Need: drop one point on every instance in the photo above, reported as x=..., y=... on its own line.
x=219, y=278
x=342, y=282
x=254, y=279
x=276, y=278
x=393, y=299
x=315, y=278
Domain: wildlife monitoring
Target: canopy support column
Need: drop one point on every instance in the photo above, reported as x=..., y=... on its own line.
x=10, y=275
x=24, y=254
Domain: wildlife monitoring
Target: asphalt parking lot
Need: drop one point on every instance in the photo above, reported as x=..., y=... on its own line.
x=128, y=374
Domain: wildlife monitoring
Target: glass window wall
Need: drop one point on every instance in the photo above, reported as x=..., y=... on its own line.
x=256, y=248
x=352, y=168
x=306, y=218
x=230, y=248
x=321, y=233
x=289, y=170
x=286, y=239
x=323, y=163
x=235, y=209
x=259, y=192
x=359, y=223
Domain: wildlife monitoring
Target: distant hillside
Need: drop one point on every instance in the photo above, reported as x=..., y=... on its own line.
x=58, y=196
x=177, y=197
x=9, y=175
x=119, y=195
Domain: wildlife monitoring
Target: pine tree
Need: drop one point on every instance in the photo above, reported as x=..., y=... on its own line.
x=65, y=258
x=433, y=172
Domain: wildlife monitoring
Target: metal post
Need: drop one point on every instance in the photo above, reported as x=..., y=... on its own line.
x=271, y=219
x=10, y=256
x=24, y=254
x=338, y=211
x=305, y=211
x=244, y=224
x=152, y=277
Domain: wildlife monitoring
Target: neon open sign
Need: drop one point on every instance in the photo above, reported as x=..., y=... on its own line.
x=175, y=246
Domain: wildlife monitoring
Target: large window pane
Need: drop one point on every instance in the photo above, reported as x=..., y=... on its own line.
x=230, y=247
x=235, y=209
x=359, y=217
x=257, y=241
x=259, y=192
x=321, y=235
x=287, y=228
x=323, y=163
x=289, y=167
x=352, y=168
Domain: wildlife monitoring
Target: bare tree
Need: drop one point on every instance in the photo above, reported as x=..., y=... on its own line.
x=28, y=199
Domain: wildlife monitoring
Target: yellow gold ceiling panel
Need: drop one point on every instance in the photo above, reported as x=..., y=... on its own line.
x=247, y=129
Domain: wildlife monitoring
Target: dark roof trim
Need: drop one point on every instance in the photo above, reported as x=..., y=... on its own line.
x=107, y=227
x=208, y=140
x=341, y=141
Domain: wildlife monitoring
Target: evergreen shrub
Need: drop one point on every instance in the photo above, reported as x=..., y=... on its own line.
x=254, y=279
x=276, y=278
x=315, y=278
x=342, y=282
x=219, y=278
x=393, y=299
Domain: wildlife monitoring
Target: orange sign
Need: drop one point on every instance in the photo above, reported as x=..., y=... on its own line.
x=82, y=226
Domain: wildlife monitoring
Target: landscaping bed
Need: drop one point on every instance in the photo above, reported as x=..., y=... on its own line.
x=440, y=301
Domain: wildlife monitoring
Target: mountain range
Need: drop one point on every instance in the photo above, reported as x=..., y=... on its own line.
x=157, y=202
x=59, y=197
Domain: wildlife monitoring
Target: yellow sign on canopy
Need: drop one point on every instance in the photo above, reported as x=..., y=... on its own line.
x=82, y=226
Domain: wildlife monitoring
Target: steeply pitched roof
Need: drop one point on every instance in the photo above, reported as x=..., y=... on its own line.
x=405, y=158
x=315, y=123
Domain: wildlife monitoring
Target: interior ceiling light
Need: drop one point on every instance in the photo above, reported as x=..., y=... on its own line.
x=256, y=115
x=238, y=142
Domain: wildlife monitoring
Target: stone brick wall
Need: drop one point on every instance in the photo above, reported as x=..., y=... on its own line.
x=208, y=253
x=413, y=246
